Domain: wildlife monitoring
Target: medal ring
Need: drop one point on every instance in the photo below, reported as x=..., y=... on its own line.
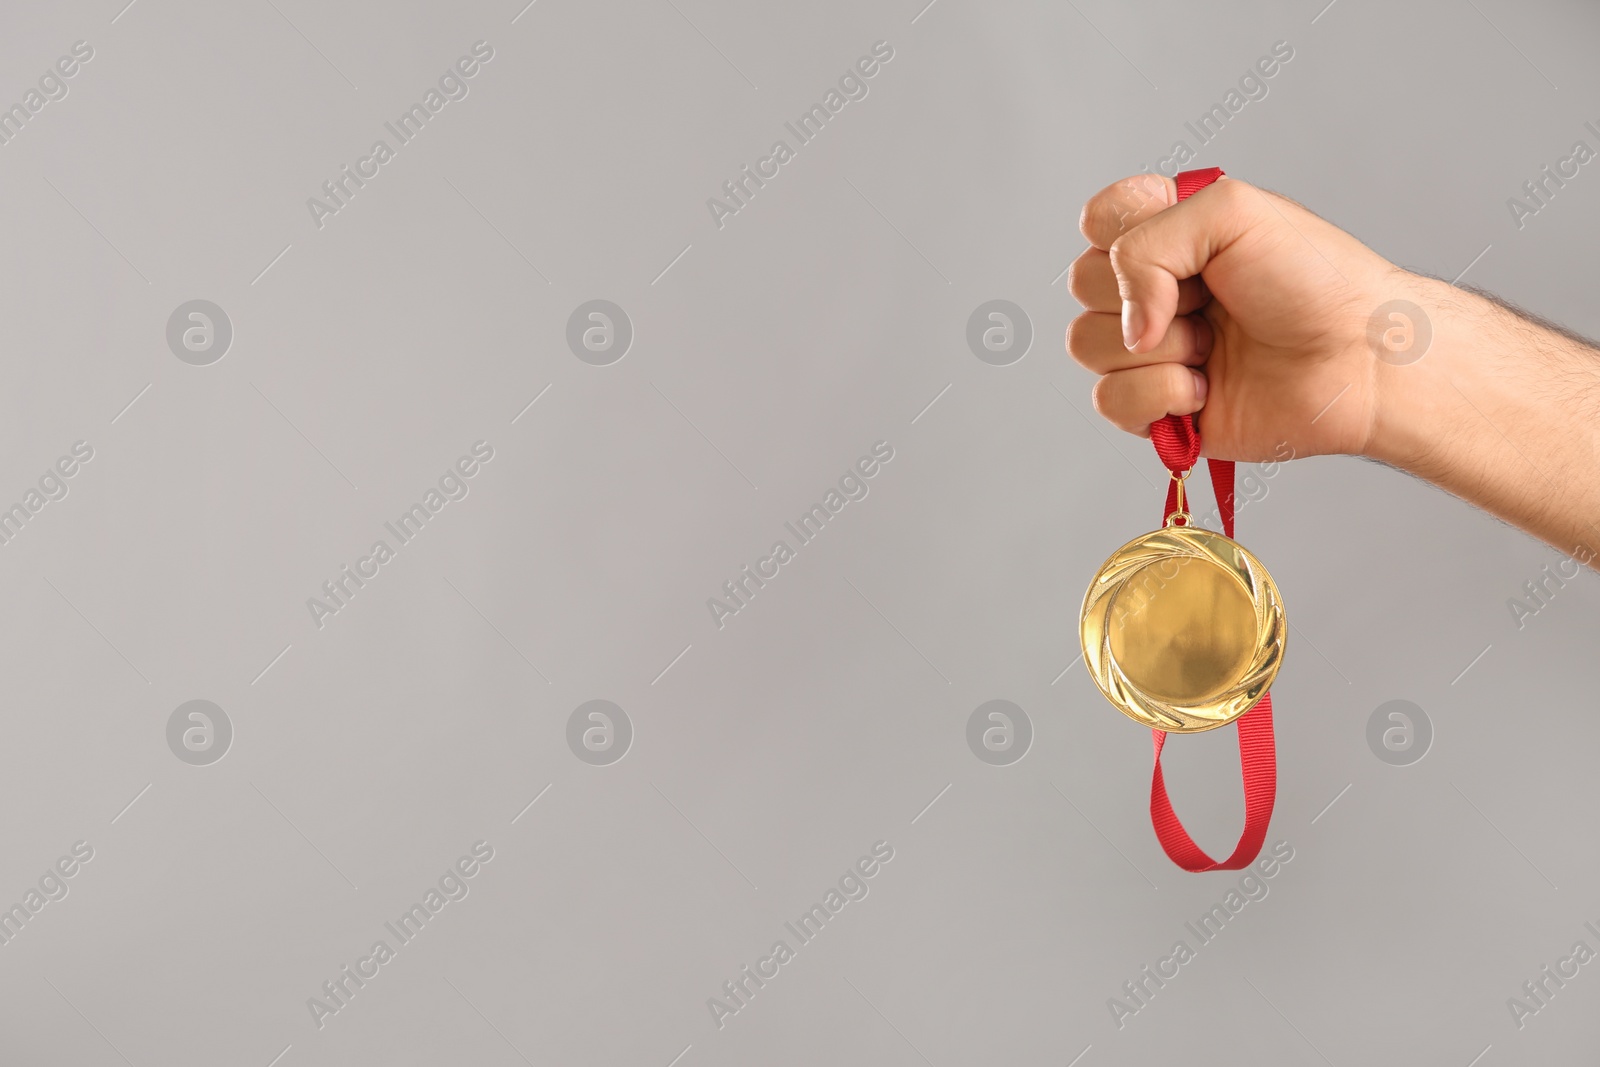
x=1183, y=629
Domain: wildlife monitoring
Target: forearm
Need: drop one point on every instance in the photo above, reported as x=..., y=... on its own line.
x=1502, y=412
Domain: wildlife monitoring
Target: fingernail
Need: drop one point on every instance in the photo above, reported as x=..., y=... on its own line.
x=1132, y=324
x=1203, y=338
x=1200, y=387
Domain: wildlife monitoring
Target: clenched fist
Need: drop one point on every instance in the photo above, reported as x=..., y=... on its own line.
x=1278, y=327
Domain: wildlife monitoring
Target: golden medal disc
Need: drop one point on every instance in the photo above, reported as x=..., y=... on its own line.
x=1183, y=629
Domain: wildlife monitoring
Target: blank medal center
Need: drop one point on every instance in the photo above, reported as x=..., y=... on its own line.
x=1182, y=631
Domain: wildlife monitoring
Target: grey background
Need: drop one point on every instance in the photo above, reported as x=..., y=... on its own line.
x=769, y=755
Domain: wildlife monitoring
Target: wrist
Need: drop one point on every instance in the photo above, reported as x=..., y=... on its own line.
x=1420, y=414
x=1500, y=410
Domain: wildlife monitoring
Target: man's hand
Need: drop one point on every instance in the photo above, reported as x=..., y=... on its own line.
x=1278, y=327
x=1236, y=303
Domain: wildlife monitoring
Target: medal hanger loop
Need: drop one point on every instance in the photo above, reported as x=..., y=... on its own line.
x=1180, y=515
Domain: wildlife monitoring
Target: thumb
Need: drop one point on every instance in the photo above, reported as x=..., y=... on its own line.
x=1172, y=245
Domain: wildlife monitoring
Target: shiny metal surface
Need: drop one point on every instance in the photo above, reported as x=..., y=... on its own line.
x=1183, y=629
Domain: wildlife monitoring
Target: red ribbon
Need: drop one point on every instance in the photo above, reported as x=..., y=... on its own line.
x=1177, y=441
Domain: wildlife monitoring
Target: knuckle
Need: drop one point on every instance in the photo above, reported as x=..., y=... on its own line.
x=1121, y=206
x=1124, y=252
x=1077, y=337
x=1098, y=218
x=1236, y=196
x=1115, y=402
x=1086, y=219
x=1078, y=276
x=1102, y=396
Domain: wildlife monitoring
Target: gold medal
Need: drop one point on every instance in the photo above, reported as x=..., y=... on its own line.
x=1183, y=629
